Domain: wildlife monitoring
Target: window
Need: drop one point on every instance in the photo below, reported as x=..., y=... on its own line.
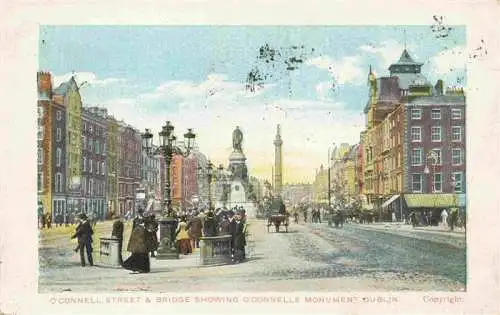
x=436, y=134
x=91, y=187
x=40, y=133
x=97, y=146
x=40, y=112
x=84, y=163
x=456, y=133
x=84, y=142
x=91, y=164
x=416, y=157
x=437, y=182
x=58, y=182
x=456, y=156
x=97, y=167
x=436, y=114
x=40, y=156
x=416, y=134
x=456, y=113
x=416, y=113
x=458, y=176
x=58, y=156
x=40, y=181
x=90, y=144
x=437, y=160
x=103, y=168
x=416, y=183
x=58, y=115
x=58, y=134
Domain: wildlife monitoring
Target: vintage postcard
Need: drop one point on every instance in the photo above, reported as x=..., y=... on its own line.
x=227, y=165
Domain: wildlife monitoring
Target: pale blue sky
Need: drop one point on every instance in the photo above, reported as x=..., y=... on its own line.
x=195, y=77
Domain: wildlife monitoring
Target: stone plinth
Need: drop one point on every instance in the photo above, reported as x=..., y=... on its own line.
x=167, y=248
x=109, y=251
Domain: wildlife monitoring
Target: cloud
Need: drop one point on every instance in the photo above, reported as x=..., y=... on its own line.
x=449, y=60
x=323, y=89
x=346, y=70
x=89, y=77
x=308, y=126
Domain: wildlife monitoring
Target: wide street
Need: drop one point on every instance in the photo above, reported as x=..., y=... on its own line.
x=311, y=257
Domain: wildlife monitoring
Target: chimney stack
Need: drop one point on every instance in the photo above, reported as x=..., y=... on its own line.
x=439, y=87
x=44, y=80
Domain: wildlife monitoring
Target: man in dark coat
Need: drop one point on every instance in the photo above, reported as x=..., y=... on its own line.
x=84, y=234
x=224, y=226
x=151, y=226
x=210, y=226
x=194, y=227
x=238, y=238
x=118, y=233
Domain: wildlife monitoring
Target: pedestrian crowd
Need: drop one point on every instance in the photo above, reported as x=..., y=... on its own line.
x=448, y=218
x=191, y=226
x=63, y=218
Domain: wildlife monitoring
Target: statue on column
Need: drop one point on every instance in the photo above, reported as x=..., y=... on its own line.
x=237, y=139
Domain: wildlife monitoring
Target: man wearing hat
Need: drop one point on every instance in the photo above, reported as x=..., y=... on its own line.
x=238, y=238
x=84, y=234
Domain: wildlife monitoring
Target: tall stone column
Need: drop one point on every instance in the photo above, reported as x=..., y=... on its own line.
x=278, y=162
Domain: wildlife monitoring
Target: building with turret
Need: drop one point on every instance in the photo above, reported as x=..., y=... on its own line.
x=414, y=143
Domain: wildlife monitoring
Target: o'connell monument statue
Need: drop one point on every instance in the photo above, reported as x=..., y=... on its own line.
x=237, y=139
x=239, y=175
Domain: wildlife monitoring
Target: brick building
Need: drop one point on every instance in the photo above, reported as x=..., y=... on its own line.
x=129, y=167
x=94, y=174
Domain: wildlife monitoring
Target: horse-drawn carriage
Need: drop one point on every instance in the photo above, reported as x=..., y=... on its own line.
x=277, y=215
x=278, y=220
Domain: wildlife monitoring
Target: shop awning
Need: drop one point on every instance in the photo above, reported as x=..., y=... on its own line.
x=434, y=200
x=389, y=201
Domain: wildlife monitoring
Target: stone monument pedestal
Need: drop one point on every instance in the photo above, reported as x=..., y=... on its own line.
x=167, y=248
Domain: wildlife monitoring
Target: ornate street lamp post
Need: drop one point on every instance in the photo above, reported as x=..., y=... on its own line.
x=208, y=172
x=226, y=187
x=168, y=148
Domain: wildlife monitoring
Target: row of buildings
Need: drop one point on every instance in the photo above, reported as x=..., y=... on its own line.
x=412, y=153
x=88, y=161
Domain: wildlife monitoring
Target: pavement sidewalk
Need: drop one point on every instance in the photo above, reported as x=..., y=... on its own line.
x=437, y=234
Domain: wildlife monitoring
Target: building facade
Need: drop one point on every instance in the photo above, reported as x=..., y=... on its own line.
x=436, y=144
x=94, y=174
x=129, y=167
x=112, y=164
x=58, y=162
x=45, y=141
x=68, y=95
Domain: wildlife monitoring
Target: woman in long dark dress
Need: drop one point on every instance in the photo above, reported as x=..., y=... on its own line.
x=138, y=245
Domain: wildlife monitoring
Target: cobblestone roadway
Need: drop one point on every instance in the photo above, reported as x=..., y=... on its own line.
x=309, y=257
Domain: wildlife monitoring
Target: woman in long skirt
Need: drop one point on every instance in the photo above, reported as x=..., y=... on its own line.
x=138, y=246
x=183, y=237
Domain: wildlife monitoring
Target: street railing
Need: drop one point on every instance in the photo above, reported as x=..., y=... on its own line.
x=215, y=250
